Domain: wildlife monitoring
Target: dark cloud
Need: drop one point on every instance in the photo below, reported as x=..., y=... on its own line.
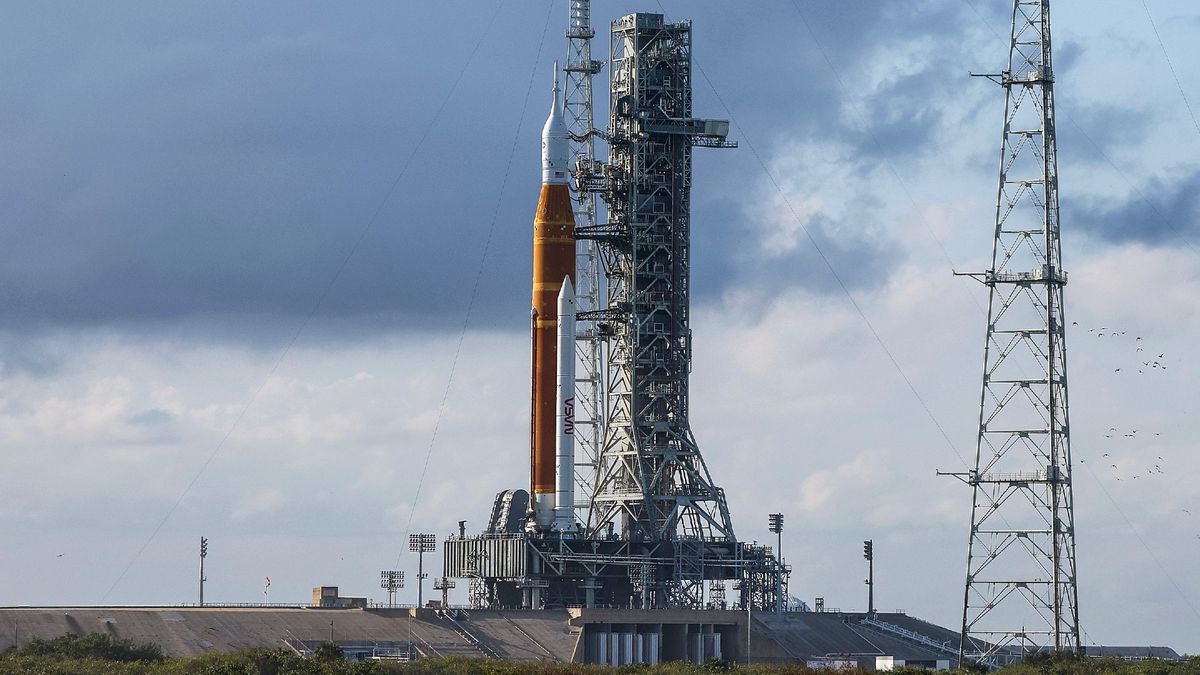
x=215, y=165
x=172, y=164
x=1162, y=212
x=729, y=253
x=20, y=356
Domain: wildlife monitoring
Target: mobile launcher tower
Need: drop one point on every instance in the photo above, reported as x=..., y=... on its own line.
x=651, y=529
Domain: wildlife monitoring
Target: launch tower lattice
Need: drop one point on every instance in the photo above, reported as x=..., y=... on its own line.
x=579, y=115
x=652, y=483
x=656, y=529
x=1020, y=592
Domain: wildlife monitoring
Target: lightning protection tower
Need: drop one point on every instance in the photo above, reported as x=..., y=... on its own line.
x=1020, y=590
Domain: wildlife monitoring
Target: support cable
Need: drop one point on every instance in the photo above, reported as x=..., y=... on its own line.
x=304, y=323
x=1113, y=165
x=1162, y=568
x=824, y=258
x=478, y=276
x=1171, y=65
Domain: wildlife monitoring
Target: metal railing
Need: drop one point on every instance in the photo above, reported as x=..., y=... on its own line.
x=946, y=647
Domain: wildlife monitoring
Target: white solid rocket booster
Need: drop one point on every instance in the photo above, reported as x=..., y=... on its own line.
x=564, y=442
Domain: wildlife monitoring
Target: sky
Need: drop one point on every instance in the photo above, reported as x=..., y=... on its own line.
x=264, y=272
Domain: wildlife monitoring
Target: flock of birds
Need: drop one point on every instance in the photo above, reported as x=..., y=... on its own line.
x=1145, y=361
x=1150, y=363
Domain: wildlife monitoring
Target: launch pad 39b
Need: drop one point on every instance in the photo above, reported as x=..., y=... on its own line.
x=637, y=521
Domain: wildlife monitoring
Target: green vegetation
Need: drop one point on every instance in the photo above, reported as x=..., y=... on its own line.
x=103, y=654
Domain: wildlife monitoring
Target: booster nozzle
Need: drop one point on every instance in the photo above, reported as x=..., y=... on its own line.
x=555, y=142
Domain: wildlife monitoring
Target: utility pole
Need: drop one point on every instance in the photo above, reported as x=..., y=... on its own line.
x=869, y=554
x=421, y=544
x=203, y=555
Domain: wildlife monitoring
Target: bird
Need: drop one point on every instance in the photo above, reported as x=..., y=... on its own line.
x=1100, y=334
x=1114, y=466
x=1074, y=323
x=1106, y=454
x=1117, y=370
x=1140, y=349
x=1112, y=428
x=1161, y=355
x=1122, y=332
x=1187, y=512
x=1139, y=337
x=60, y=555
x=1107, y=436
x=1140, y=371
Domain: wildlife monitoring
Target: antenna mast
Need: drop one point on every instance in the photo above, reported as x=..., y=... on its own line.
x=1020, y=593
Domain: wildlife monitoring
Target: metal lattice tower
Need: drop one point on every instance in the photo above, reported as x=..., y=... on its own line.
x=652, y=484
x=656, y=528
x=1021, y=586
x=578, y=113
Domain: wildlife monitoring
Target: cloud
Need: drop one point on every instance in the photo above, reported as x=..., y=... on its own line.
x=219, y=178
x=1163, y=212
x=187, y=170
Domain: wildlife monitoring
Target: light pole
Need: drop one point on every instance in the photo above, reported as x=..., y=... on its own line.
x=203, y=555
x=869, y=554
x=421, y=544
x=391, y=581
x=775, y=524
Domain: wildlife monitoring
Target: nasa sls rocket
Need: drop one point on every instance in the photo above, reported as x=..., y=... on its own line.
x=553, y=265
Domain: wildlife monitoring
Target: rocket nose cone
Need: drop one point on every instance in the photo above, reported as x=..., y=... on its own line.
x=566, y=297
x=555, y=141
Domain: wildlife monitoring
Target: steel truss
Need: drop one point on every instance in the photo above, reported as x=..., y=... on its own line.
x=515, y=570
x=578, y=112
x=652, y=484
x=656, y=529
x=1020, y=592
